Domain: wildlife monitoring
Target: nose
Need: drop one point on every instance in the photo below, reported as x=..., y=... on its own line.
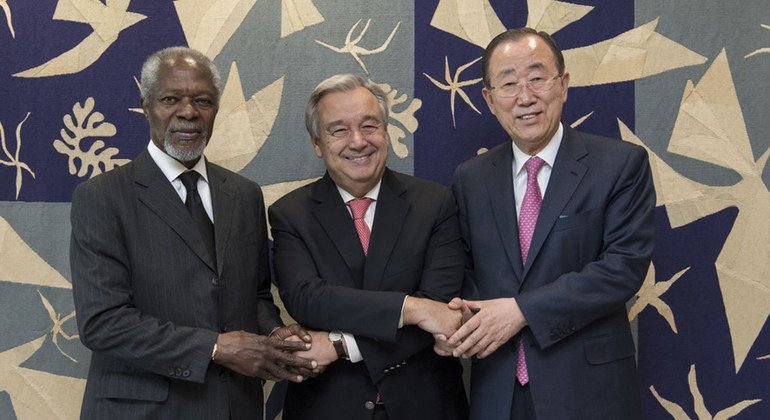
x=526, y=96
x=357, y=140
x=186, y=110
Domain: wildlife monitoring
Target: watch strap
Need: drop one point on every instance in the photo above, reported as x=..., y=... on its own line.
x=339, y=348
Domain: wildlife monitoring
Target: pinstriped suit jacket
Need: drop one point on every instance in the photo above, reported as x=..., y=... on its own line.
x=150, y=302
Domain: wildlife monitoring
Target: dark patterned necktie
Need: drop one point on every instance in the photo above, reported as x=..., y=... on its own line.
x=198, y=212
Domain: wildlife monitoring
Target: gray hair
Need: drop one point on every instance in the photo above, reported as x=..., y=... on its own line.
x=513, y=35
x=151, y=66
x=341, y=83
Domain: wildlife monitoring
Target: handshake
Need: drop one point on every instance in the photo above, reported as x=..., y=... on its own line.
x=461, y=328
x=466, y=328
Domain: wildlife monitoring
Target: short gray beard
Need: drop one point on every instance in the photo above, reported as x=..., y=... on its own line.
x=185, y=155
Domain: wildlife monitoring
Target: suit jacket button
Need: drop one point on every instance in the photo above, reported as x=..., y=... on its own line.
x=178, y=372
x=223, y=328
x=215, y=281
x=186, y=373
x=369, y=405
x=170, y=371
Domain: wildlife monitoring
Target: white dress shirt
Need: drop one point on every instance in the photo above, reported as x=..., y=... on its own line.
x=548, y=154
x=354, y=353
x=172, y=168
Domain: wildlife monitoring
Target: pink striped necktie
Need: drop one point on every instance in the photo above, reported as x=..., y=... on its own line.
x=358, y=207
x=530, y=209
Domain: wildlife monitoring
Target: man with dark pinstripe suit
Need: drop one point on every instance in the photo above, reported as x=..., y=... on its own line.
x=177, y=318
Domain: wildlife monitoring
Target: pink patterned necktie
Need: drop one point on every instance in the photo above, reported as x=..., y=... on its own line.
x=530, y=209
x=358, y=207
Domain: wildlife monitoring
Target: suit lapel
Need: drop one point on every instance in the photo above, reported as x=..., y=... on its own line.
x=154, y=191
x=223, y=201
x=333, y=217
x=392, y=208
x=565, y=178
x=500, y=192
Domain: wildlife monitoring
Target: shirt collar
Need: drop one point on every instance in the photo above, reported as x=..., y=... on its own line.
x=171, y=167
x=373, y=193
x=548, y=154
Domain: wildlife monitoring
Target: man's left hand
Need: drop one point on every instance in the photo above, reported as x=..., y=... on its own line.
x=494, y=323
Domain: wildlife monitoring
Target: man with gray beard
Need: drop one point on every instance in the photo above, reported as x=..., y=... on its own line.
x=170, y=270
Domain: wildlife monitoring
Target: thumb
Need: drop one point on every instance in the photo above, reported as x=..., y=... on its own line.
x=455, y=303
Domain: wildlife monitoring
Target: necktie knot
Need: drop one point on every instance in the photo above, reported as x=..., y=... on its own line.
x=533, y=166
x=358, y=207
x=190, y=181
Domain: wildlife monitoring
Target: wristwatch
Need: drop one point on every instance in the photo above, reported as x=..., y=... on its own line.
x=336, y=338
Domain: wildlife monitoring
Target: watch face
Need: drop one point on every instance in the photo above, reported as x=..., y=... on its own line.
x=335, y=336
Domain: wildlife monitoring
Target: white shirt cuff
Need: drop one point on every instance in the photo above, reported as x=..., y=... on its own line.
x=353, y=352
x=401, y=318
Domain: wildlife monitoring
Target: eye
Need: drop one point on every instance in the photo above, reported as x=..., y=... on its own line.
x=339, y=132
x=204, y=102
x=168, y=100
x=369, y=128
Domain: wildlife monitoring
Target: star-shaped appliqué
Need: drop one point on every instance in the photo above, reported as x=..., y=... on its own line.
x=455, y=86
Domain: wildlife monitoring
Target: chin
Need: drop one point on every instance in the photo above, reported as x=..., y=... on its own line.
x=185, y=153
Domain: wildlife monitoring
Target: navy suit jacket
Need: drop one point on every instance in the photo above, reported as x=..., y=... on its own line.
x=327, y=283
x=590, y=253
x=150, y=302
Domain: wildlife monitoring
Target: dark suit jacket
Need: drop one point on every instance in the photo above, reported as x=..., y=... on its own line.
x=328, y=284
x=150, y=303
x=590, y=253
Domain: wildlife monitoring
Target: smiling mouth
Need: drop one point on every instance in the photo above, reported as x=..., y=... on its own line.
x=359, y=159
x=527, y=117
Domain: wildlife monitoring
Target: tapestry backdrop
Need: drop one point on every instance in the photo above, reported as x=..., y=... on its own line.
x=685, y=79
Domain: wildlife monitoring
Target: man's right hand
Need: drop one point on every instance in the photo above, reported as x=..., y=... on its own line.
x=259, y=356
x=431, y=316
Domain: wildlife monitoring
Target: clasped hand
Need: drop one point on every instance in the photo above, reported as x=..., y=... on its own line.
x=271, y=358
x=487, y=324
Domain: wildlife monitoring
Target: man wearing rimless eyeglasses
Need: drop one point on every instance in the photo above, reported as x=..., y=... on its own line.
x=558, y=226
